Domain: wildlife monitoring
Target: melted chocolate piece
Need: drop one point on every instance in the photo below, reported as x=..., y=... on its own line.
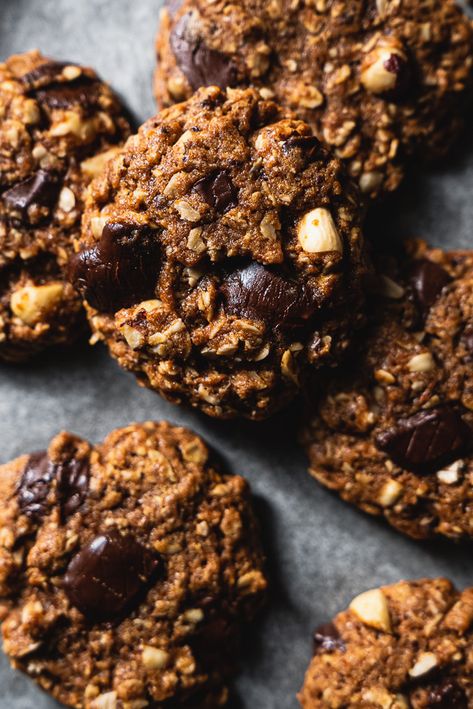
x=310, y=147
x=35, y=484
x=121, y=270
x=82, y=92
x=258, y=293
x=107, y=575
x=218, y=190
x=200, y=65
x=448, y=695
x=72, y=478
x=42, y=189
x=44, y=74
x=72, y=484
x=426, y=440
x=428, y=280
x=327, y=639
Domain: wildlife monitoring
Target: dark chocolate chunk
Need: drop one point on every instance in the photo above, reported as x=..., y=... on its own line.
x=83, y=92
x=427, y=439
x=428, y=280
x=218, y=190
x=259, y=293
x=200, y=65
x=72, y=484
x=41, y=189
x=35, y=485
x=121, y=270
x=72, y=478
x=45, y=74
x=310, y=147
x=106, y=576
x=327, y=639
x=448, y=695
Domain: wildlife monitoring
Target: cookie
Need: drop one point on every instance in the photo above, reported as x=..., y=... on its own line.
x=393, y=433
x=381, y=81
x=58, y=125
x=222, y=256
x=405, y=646
x=126, y=569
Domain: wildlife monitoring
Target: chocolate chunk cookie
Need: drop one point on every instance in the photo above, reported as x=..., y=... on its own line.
x=393, y=434
x=126, y=569
x=58, y=125
x=409, y=645
x=380, y=81
x=221, y=256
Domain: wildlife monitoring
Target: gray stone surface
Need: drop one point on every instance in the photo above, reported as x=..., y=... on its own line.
x=321, y=552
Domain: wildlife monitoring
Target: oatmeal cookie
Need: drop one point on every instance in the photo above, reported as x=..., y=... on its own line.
x=58, y=125
x=126, y=569
x=405, y=646
x=380, y=81
x=393, y=433
x=222, y=256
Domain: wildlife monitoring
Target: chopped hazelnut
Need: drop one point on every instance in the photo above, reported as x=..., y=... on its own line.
x=317, y=232
x=372, y=609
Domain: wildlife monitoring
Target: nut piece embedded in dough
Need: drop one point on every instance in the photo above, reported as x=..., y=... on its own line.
x=92, y=167
x=423, y=362
x=389, y=493
x=425, y=663
x=154, y=658
x=317, y=232
x=105, y=701
x=384, y=67
x=371, y=607
x=32, y=302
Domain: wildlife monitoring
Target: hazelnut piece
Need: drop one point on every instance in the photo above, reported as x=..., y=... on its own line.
x=317, y=232
x=371, y=607
x=384, y=69
x=31, y=303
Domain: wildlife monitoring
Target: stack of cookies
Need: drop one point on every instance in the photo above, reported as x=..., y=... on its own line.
x=219, y=253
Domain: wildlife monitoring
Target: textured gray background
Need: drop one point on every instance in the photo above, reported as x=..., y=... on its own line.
x=321, y=551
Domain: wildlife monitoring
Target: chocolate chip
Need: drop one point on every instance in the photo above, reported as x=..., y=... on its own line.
x=218, y=190
x=122, y=269
x=327, y=639
x=84, y=93
x=44, y=74
x=35, y=485
x=72, y=484
x=72, y=478
x=40, y=189
x=108, y=574
x=310, y=147
x=200, y=65
x=258, y=293
x=427, y=439
x=448, y=695
x=428, y=280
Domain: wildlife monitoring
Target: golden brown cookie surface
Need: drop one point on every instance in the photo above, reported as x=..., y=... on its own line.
x=58, y=125
x=404, y=646
x=393, y=433
x=126, y=569
x=222, y=256
x=379, y=80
